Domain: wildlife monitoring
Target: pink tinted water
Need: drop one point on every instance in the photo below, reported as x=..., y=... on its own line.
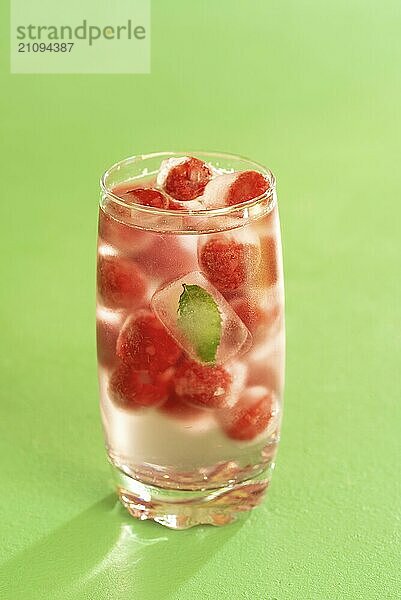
x=158, y=436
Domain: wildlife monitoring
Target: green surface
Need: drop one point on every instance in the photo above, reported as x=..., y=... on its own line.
x=313, y=90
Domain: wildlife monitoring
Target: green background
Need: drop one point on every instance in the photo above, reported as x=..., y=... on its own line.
x=313, y=90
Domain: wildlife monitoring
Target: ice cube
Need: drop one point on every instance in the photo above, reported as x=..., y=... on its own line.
x=234, y=188
x=120, y=236
x=108, y=325
x=239, y=372
x=192, y=205
x=266, y=363
x=216, y=190
x=256, y=412
x=146, y=197
x=166, y=166
x=168, y=257
x=261, y=310
x=235, y=337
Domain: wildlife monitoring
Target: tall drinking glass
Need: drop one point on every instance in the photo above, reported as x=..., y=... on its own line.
x=190, y=336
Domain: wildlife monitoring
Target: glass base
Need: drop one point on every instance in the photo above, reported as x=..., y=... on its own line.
x=181, y=509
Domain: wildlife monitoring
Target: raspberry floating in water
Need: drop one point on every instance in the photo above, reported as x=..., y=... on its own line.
x=145, y=344
x=120, y=282
x=132, y=389
x=251, y=415
x=255, y=316
x=146, y=197
x=228, y=262
x=247, y=185
x=202, y=385
x=115, y=220
x=234, y=188
x=184, y=178
x=249, y=311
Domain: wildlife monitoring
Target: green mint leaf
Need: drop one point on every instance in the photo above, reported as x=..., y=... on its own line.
x=200, y=320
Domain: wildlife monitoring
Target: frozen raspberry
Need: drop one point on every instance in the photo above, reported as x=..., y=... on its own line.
x=174, y=407
x=228, y=263
x=263, y=371
x=250, y=312
x=115, y=222
x=107, y=330
x=132, y=389
x=234, y=188
x=269, y=270
x=184, y=178
x=253, y=315
x=146, y=197
x=251, y=415
x=145, y=344
x=248, y=185
x=120, y=282
x=202, y=385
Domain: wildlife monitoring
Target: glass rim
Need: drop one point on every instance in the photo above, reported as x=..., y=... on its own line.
x=225, y=210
